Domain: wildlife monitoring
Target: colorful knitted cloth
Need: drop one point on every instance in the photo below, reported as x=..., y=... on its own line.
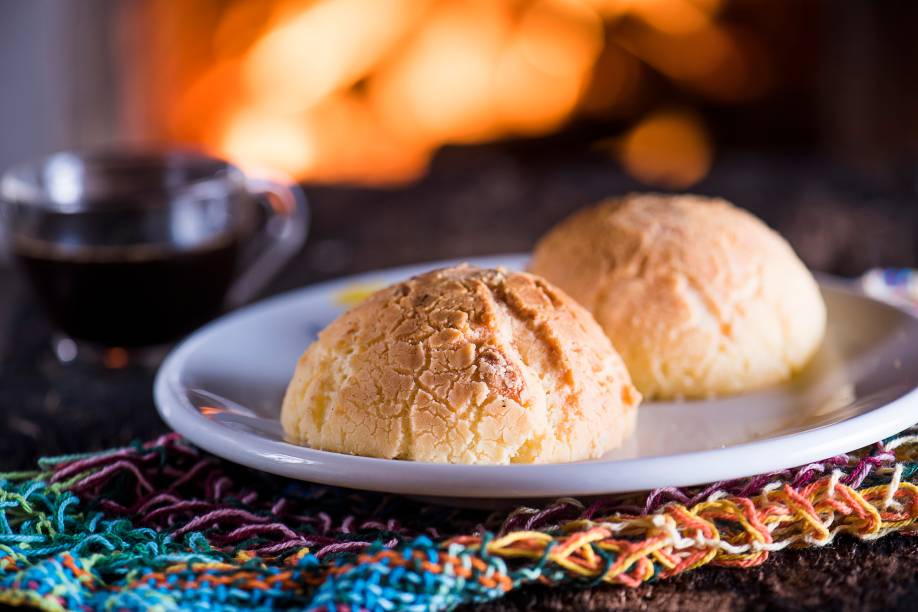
x=164, y=526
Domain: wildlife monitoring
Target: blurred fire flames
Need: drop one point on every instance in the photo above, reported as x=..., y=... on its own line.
x=367, y=90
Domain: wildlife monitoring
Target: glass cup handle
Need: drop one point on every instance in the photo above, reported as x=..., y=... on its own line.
x=285, y=230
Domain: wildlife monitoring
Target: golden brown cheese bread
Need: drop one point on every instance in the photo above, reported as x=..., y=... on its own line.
x=699, y=297
x=463, y=365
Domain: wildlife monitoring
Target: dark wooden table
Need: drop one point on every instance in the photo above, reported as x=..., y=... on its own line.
x=486, y=200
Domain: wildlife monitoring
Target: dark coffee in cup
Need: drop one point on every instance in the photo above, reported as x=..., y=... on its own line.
x=133, y=249
x=129, y=296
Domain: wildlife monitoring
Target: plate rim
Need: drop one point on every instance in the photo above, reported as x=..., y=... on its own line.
x=517, y=480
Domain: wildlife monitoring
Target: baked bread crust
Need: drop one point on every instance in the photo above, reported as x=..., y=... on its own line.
x=699, y=297
x=463, y=365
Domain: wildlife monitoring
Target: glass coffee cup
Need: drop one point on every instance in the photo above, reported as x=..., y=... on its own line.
x=133, y=249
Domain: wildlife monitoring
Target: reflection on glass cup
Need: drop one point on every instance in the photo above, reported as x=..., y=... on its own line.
x=132, y=249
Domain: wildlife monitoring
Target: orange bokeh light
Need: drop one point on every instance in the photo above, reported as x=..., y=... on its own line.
x=545, y=66
x=260, y=142
x=670, y=148
x=326, y=46
x=439, y=89
x=368, y=90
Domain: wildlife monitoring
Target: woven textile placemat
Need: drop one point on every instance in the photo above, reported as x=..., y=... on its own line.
x=164, y=525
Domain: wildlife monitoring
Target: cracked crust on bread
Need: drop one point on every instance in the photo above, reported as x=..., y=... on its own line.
x=463, y=365
x=700, y=298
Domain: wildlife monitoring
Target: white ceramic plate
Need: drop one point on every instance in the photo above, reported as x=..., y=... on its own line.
x=222, y=389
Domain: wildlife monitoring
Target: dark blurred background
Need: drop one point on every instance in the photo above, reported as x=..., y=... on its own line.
x=434, y=128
